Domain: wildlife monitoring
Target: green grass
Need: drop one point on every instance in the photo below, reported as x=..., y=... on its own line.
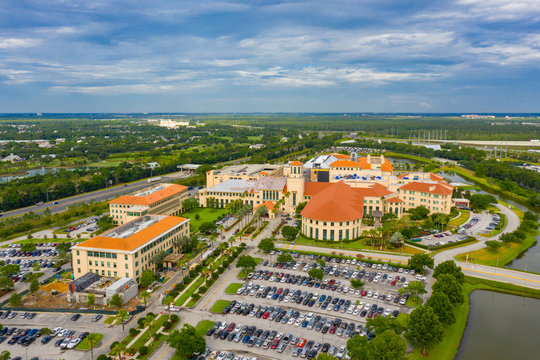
x=219, y=306
x=109, y=320
x=501, y=226
x=203, y=327
x=150, y=332
x=232, y=288
x=83, y=345
x=448, y=348
x=502, y=256
x=413, y=302
x=190, y=291
x=34, y=241
x=460, y=220
x=360, y=244
x=411, y=157
x=205, y=215
x=153, y=345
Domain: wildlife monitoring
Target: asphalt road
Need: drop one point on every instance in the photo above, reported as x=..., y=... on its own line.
x=100, y=195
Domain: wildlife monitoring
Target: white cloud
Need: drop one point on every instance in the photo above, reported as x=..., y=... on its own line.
x=13, y=43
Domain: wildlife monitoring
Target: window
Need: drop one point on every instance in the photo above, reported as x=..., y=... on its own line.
x=115, y=274
x=324, y=234
x=77, y=252
x=78, y=261
x=127, y=275
x=79, y=270
x=90, y=262
x=103, y=263
x=108, y=264
x=125, y=257
x=126, y=266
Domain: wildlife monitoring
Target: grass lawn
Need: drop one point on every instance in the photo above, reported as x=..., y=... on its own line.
x=412, y=157
x=502, y=225
x=130, y=337
x=83, y=345
x=153, y=345
x=205, y=215
x=413, y=301
x=232, y=288
x=460, y=220
x=203, y=327
x=109, y=320
x=361, y=244
x=219, y=306
x=190, y=291
x=150, y=332
x=500, y=257
x=448, y=348
x=34, y=241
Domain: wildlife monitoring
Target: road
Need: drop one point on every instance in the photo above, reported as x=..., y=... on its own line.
x=99, y=195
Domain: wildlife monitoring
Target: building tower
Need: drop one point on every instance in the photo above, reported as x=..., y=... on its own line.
x=295, y=185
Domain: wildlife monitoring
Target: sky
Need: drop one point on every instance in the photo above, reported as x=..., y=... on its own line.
x=270, y=56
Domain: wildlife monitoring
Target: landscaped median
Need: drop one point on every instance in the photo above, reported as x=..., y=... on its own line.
x=219, y=305
x=84, y=345
x=203, y=327
x=232, y=288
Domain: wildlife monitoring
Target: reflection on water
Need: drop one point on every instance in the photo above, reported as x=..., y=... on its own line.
x=501, y=327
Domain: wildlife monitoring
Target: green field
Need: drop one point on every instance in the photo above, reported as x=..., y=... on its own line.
x=219, y=306
x=460, y=220
x=502, y=225
x=502, y=256
x=205, y=215
x=232, y=288
x=83, y=345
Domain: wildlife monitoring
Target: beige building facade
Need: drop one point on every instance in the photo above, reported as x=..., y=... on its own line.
x=160, y=199
x=128, y=250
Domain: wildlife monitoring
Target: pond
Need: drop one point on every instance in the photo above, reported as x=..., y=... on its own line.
x=501, y=326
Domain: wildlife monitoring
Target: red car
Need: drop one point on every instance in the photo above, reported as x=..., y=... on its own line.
x=333, y=329
x=331, y=282
x=265, y=315
x=231, y=327
x=363, y=293
x=274, y=344
x=302, y=342
x=393, y=282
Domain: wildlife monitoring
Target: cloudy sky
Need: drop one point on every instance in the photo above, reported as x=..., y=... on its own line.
x=270, y=56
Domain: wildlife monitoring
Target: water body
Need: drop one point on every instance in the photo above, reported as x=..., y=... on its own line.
x=501, y=327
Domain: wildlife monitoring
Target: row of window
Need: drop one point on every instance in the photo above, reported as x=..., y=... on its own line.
x=114, y=273
x=314, y=233
x=341, y=223
x=100, y=254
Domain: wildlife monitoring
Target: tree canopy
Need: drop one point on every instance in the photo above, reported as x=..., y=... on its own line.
x=186, y=341
x=425, y=329
x=418, y=261
x=246, y=262
x=449, y=267
x=448, y=285
x=266, y=245
x=442, y=306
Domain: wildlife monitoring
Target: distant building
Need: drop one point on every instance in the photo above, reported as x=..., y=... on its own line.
x=256, y=146
x=160, y=199
x=12, y=158
x=128, y=250
x=103, y=289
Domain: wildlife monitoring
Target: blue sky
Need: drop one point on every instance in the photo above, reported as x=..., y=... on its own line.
x=270, y=56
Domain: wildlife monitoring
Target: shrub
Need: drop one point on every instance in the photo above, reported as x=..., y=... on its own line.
x=143, y=350
x=179, y=287
x=187, y=280
x=113, y=345
x=167, y=325
x=195, y=297
x=102, y=357
x=198, y=268
x=133, y=331
x=151, y=314
x=249, y=230
x=203, y=289
x=140, y=322
x=215, y=275
x=243, y=244
x=193, y=273
x=174, y=318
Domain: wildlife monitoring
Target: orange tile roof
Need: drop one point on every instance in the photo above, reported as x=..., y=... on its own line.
x=149, y=199
x=341, y=156
x=269, y=205
x=437, y=177
x=364, y=163
x=432, y=188
x=134, y=241
x=375, y=190
x=311, y=188
x=344, y=163
x=338, y=202
x=296, y=163
x=387, y=165
x=394, y=199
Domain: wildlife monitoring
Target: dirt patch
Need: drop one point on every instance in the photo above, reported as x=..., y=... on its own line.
x=58, y=286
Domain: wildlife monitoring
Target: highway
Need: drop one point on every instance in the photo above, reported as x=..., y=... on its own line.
x=99, y=195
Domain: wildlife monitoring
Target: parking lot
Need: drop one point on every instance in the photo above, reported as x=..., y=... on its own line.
x=51, y=349
x=477, y=223
x=280, y=312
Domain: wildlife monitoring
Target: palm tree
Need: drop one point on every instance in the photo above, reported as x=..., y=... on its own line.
x=92, y=340
x=118, y=349
x=145, y=295
x=148, y=320
x=157, y=259
x=167, y=302
x=122, y=316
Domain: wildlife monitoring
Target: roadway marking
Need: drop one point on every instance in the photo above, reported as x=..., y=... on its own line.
x=293, y=247
x=215, y=291
x=110, y=341
x=286, y=247
x=166, y=350
x=508, y=276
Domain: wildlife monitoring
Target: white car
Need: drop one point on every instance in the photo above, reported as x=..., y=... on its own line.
x=291, y=321
x=387, y=312
x=221, y=355
x=356, y=312
x=341, y=352
x=376, y=294
x=370, y=293
x=240, y=291
x=73, y=343
x=298, y=322
x=403, y=301
x=367, y=307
